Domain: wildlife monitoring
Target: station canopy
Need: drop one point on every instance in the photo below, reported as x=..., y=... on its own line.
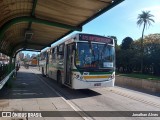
x=36, y=24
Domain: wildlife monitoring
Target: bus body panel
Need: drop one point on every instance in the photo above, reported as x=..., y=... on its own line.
x=63, y=61
x=42, y=66
x=77, y=84
x=80, y=82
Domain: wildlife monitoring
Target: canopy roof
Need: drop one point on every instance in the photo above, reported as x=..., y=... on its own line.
x=36, y=24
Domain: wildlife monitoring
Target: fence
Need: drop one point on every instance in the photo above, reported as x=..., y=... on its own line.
x=6, y=70
x=3, y=71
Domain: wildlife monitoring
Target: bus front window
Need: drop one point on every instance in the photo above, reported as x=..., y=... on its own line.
x=94, y=55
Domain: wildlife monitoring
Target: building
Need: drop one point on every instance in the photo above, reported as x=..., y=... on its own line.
x=21, y=55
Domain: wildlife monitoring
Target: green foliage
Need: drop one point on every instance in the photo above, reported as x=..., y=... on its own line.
x=129, y=59
x=125, y=53
x=127, y=43
x=25, y=60
x=141, y=76
x=152, y=52
x=145, y=18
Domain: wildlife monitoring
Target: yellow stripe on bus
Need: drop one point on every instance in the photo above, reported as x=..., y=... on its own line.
x=95, y=77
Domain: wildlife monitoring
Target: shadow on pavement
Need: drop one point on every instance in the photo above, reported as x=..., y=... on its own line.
x=69, y=93
x=28, y=85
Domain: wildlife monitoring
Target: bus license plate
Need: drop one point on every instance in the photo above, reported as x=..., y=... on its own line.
x=97, y=84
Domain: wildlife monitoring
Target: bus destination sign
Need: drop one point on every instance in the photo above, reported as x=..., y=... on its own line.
x=95, y=38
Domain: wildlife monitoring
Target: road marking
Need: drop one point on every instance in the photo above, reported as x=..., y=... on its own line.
x=72, y=105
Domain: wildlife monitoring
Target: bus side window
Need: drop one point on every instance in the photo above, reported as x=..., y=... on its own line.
x=50, y=55
x=40, y=56
x=61, y=51
x=53, y=55
x=44, y=55
x=47, y=57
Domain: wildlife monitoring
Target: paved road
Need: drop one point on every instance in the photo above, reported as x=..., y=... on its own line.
x=31, y=91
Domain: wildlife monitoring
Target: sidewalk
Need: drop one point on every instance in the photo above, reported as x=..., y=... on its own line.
x=29, y=93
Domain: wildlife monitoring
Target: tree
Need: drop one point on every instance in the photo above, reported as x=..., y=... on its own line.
x=151, y=52
x=126, y=43
x=144, y=18
x=124, y=56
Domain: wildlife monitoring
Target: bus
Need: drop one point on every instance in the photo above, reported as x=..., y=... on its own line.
x=81, y=61
x=34, y=61
x=43, y=59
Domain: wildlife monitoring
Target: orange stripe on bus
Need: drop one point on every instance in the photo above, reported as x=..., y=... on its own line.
x=95, y=77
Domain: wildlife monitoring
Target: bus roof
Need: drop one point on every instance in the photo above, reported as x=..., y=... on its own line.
x=73, y=36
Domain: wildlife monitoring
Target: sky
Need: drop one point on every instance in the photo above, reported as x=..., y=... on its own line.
x=121, y=20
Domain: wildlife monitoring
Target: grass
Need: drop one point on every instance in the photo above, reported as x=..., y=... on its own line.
x=141, y=76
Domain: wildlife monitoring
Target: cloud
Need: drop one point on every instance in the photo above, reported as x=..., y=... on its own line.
x=154, y=10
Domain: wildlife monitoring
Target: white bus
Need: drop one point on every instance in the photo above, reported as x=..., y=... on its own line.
x=81, y=61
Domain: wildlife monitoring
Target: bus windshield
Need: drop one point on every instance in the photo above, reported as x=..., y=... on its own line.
x=94, y=55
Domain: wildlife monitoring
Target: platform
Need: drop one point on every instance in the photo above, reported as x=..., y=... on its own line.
x=29, y=93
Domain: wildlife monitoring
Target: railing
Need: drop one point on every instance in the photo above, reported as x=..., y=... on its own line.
x=5, y=73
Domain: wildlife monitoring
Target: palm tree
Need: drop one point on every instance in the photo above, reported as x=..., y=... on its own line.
x=145, y=19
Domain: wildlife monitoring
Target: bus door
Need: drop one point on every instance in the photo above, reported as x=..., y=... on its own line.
x=69, y=54
x=46, y=66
